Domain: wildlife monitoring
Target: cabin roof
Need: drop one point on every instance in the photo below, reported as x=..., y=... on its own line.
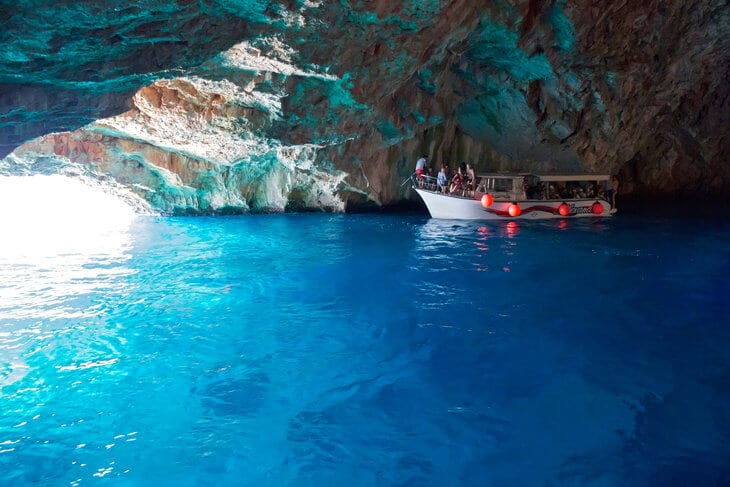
x=552, y=177
x=576, y=177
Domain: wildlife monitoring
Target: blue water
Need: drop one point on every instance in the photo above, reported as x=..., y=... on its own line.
x=370, y=350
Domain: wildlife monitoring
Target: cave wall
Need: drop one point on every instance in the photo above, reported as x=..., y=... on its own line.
x=628, y=88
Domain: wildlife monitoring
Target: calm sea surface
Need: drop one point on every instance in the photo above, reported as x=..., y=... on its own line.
x=318, y=349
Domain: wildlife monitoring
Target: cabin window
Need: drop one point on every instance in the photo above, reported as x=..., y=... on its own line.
x=496, y=185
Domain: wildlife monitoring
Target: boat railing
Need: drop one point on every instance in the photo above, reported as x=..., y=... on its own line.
x=430, y=183
x=519, y=188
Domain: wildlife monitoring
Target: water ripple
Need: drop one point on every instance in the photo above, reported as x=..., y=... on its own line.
x=367, y=350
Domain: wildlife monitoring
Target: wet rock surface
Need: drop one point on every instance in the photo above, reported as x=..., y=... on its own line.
x=209, y=106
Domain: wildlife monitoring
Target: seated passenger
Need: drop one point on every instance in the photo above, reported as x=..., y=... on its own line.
x=458, y=182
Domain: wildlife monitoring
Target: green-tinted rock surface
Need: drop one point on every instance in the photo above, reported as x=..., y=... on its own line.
x=305, y=104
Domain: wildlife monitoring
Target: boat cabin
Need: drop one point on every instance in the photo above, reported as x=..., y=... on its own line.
x=501, y=186
x=524, y=187
x=498, y=196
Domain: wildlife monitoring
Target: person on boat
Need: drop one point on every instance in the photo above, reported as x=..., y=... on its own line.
x=531, y=188
x=441, y=179
x=421, y=166
x=553, y=192
x=429, y=180
x=614, y=192
x=591, y=190
x=471, y=178
x=559, y=191
x=458, y=182
x=535, y=191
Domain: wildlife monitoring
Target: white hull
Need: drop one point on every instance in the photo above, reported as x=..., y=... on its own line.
x=460, y=208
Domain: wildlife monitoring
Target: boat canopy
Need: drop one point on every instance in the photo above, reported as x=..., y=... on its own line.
x=575, y=177
x=550, y=178
x=504, y=175
x=528, y=186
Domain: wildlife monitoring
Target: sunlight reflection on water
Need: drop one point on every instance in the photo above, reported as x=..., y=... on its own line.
x=49, y=216
x=61, y=240
x=324, y=349
x=59, y=237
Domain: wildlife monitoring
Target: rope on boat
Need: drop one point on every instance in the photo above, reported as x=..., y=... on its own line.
x=409, y=178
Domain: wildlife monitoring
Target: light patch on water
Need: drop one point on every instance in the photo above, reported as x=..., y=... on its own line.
x=13, y=371
x=88, y=365
x=48, y=216
x=59, y=237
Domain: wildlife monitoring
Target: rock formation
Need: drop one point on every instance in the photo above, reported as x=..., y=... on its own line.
x=325, y=105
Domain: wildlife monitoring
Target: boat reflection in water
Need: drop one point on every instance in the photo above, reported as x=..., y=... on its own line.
x=441, y=244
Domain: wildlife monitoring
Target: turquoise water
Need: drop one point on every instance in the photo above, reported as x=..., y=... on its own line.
x=368, y=350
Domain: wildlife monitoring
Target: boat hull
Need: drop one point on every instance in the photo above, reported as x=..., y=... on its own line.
x=458, y=208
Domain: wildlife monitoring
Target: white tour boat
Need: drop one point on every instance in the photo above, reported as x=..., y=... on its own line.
x=508, y=196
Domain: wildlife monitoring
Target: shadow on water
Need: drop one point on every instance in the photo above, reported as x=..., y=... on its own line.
x=677, y=207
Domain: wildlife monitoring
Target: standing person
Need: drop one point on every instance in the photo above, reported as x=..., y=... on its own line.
x=441, y=179
x=471, y=178
x=421, y=165
x=614, y=192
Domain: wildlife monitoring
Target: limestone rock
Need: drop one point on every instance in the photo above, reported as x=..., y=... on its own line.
x=307, y=104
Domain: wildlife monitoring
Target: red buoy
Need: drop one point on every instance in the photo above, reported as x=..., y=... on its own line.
x=597, y=208
x=487, y=200
x=514, y=209
x=564, y=209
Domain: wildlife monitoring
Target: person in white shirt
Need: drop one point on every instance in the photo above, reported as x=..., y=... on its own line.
x=421, y=165
x=442, y=180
